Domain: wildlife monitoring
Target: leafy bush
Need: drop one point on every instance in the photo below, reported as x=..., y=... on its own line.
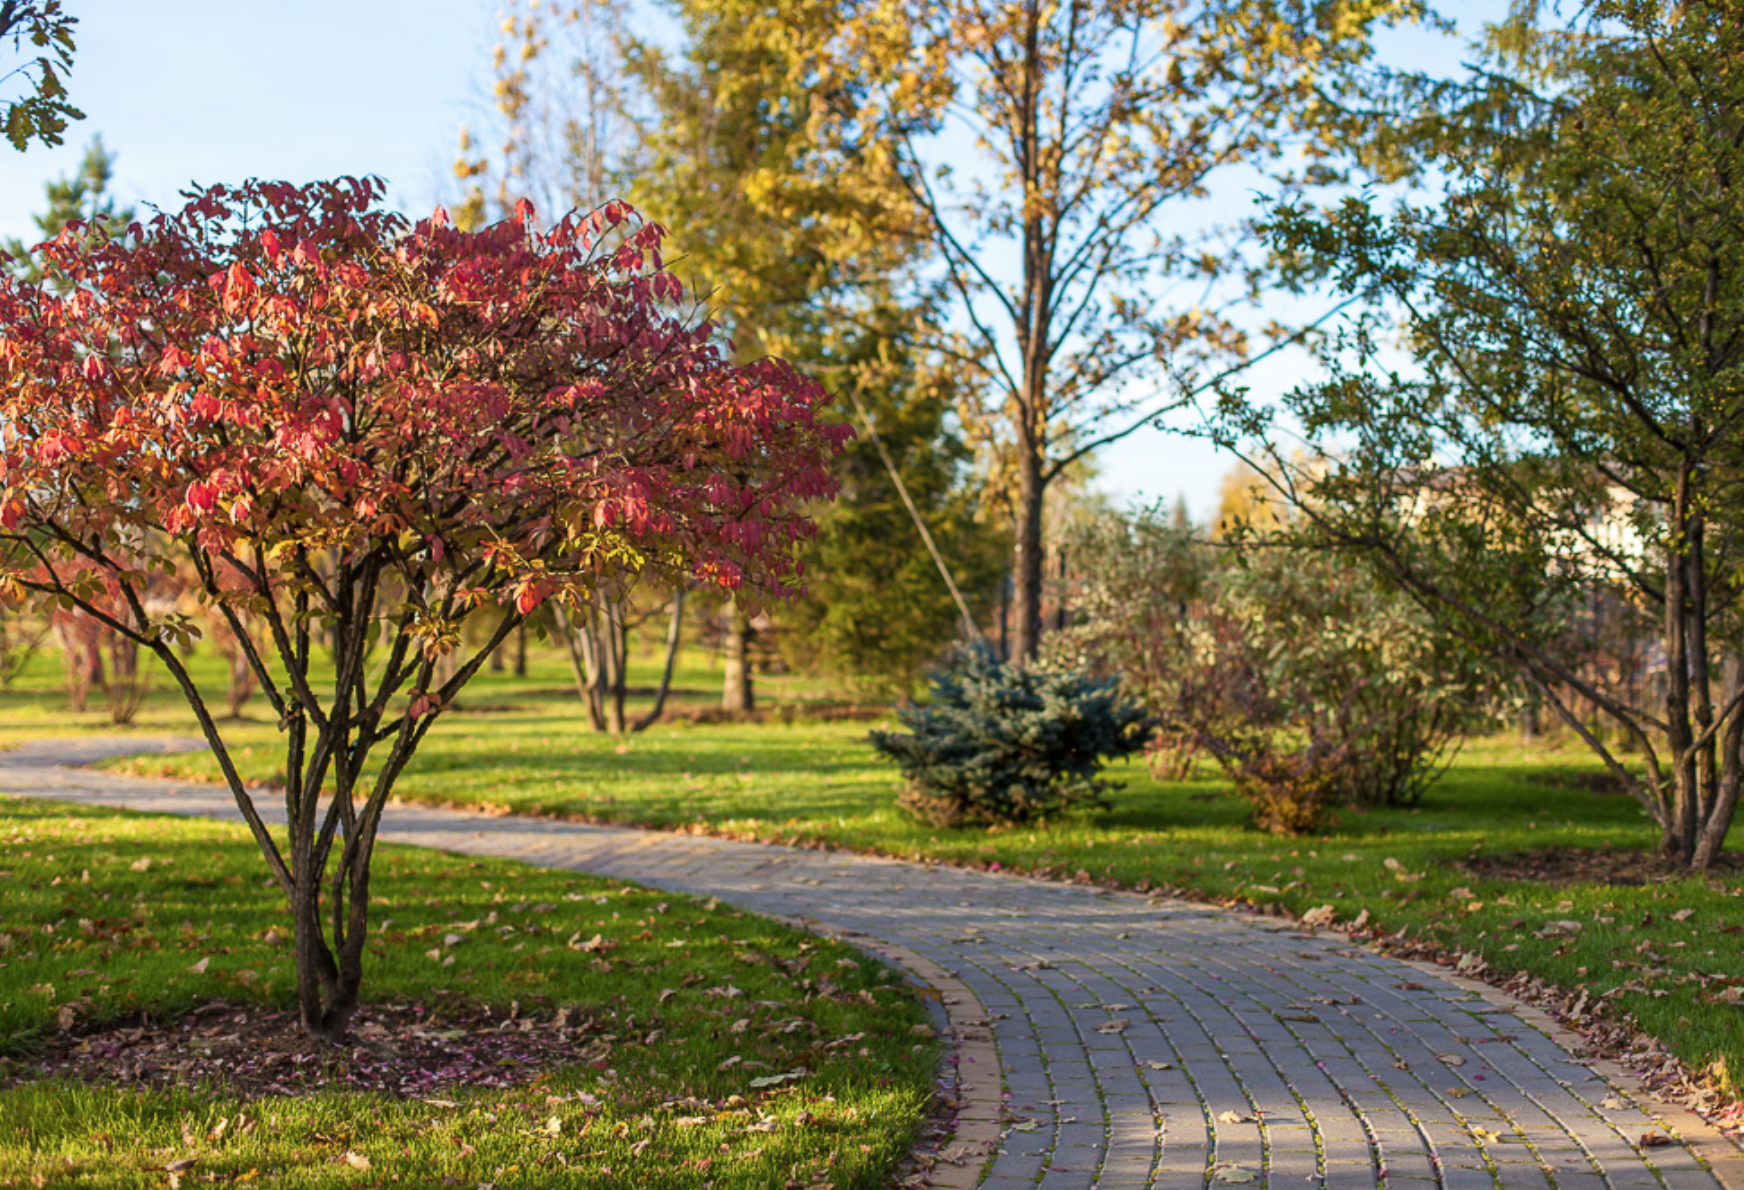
x=1001, y=743
x=1309, y=683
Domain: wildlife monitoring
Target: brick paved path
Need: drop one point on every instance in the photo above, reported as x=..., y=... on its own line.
x=1142, y=1042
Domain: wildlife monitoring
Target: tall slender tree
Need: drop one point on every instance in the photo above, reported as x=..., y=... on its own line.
x=799, y=240
x=1060, y=152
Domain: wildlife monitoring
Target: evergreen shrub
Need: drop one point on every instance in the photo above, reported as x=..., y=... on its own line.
x=1007, y=743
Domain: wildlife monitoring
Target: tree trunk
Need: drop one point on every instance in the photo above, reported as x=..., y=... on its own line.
x=736, y=691
x=614, y=649
x=1026, y=602
x=673, y=632
x=1731, y=754
x=521, y=651
x=1530, y=727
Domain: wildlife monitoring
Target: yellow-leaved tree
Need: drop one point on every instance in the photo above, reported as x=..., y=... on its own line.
x=1062, y=154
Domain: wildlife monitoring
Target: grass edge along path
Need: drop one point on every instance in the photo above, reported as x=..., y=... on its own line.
x=1636, y=963
x=677, y=1096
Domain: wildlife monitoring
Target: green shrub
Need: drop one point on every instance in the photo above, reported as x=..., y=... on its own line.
x=1310, y=682
x=1001, y=743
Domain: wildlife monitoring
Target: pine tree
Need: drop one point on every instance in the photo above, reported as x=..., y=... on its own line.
x=83, y=197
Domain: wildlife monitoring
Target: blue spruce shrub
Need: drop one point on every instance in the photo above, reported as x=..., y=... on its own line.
x=1002, y=743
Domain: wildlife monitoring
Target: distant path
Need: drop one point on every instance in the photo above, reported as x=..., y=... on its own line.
x=1142, y=1042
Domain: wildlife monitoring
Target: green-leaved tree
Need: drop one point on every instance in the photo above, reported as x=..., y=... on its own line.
x=1569, y=439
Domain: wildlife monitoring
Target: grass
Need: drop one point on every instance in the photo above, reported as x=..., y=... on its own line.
x=89, y=922
x=1662, y=949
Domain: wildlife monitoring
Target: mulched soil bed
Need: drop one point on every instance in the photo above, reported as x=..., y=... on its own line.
x=400, y=1050
x=1573, y=865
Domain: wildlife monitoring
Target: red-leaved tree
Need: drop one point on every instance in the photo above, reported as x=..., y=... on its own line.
x=383, y=428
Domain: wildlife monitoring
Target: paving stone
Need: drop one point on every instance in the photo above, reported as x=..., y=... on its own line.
x=1211, y=993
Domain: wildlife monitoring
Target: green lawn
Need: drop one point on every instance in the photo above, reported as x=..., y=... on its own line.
x=1668, y=950
x=699, y=1002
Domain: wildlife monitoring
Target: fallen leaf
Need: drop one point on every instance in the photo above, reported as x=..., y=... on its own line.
x=185, y=1163
x=1025, y=1126
x=554, y=1126
x=1485, y=1135
x=772, y=1080
x=1683, y=915
x=1230, y=1117
x=1238, y=1176
x=1160, y=1065
x=142, y=864
x=199, y=968
x=1451, y=1059
x=1456, y=1092
x=1118, y=1025
x=357, y=1161
x=1654, y=1140
x=1611, y=1103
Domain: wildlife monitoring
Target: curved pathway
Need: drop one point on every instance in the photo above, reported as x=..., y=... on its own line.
x=1111, y=1040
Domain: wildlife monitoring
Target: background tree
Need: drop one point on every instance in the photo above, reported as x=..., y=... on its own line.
x=1570, y=432
x=597, y=638
x=382, y=430
x=1097, y=126
x=800, y=241
x=42, y=112
x=84, y=199
x=876, y=610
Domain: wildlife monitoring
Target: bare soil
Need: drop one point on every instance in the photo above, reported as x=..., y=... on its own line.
x=1573, y=865
x=399, y=1050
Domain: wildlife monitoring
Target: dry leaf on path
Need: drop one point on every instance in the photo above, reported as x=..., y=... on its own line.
x=1230, y=1117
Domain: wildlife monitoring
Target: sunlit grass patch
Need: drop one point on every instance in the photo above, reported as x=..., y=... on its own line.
x=726, y=1049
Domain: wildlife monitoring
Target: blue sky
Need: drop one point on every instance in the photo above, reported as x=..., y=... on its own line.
x=210, y=91
x=220, y=90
